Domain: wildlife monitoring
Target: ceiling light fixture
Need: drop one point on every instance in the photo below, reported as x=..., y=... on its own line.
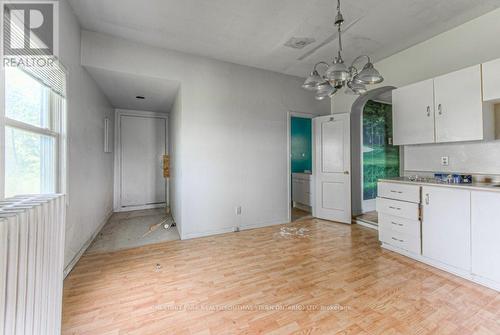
x=338, y=74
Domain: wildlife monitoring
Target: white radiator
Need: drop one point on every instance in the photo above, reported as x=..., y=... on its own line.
x=31, y=264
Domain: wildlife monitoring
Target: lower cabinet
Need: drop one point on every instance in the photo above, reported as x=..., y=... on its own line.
x=446, y=226
x=458, y=230
x=301, y=189
x=485, y=225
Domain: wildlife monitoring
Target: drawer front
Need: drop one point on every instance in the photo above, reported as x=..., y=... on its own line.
x=400, y=240
x=397, y=208
x=401, y=192
x=400, y=225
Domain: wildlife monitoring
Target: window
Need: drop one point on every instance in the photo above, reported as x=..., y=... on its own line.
x=33, y=130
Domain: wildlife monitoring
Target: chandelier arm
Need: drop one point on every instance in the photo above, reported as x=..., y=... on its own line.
x=358, y=58
x=320, y=63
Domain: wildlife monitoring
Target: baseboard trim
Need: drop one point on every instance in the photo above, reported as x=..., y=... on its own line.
x=207, y=233
x=366, y=224
x=230, y=230
x=138, y=208
x=263, y=225
x=84, y=248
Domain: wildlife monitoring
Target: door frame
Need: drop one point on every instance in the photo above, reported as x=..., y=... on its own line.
x=117, y=207
x=289, y=158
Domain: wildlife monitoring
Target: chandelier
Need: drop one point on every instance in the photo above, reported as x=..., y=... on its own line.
x=337, y=75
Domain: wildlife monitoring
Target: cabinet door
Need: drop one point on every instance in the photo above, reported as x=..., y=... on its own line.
x=491, y=81
x=485, y=214
x=446, y=226
x=459, y=107
x=413, y=113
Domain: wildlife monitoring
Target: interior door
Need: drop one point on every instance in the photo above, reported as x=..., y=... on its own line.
x=332, y=167
x=143, y=144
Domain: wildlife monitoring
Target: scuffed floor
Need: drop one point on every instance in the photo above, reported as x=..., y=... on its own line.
x=133, y=229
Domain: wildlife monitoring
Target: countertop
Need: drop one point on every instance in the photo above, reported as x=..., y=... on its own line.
x=431, y=182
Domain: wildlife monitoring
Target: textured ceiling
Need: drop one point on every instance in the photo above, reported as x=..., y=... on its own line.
x=253, y=32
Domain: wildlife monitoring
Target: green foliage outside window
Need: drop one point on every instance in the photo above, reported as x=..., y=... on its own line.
x=380, y=159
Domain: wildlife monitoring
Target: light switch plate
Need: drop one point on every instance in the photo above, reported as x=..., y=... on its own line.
x=445, y=161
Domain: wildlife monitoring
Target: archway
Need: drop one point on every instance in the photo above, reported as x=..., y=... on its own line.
x=381, y=93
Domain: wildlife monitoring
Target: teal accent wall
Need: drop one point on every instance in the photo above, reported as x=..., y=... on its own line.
x=301, y=145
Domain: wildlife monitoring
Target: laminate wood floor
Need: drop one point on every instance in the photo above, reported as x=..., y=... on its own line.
x=316, y=278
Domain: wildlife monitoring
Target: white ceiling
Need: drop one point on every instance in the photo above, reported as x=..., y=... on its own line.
x=253, y=32
x=122, y=89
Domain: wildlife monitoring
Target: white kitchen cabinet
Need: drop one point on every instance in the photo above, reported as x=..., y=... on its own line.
x=413, y=113
x=491, y=81
x=301, y=189
x=448, y=108
x=446, y=233
x=460, y=114
x=485, y=223
x=398, y=216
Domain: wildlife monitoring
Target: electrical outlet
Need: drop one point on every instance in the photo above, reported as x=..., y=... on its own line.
x=445, y=161
x=238, y=210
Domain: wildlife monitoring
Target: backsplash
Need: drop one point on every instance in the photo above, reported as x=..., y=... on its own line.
x=476, y=158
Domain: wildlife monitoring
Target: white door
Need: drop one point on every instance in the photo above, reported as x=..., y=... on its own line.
x=446, y=235
x=142, y=146
x=459, y=108
x=332, y=167
x=413, y=113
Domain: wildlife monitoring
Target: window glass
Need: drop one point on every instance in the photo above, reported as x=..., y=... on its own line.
x=30, y=163
x=26, y=99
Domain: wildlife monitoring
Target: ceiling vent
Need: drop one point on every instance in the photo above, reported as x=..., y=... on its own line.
x=299, y=42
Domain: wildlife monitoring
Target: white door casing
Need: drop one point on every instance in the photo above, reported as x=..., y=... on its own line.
x=141, y=142
x=332, y=168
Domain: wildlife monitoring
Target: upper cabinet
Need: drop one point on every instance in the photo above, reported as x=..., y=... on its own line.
x=413, y=113
x=491, y=81
x=448, y=108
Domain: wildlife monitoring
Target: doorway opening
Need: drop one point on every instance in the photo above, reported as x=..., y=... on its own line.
x=300, y=162
x=379, y=157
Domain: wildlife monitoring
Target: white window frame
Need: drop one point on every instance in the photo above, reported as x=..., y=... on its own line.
x=57, y=130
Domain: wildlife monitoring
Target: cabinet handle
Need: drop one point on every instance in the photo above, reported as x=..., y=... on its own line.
x=427, y=198
x=398, y=192
x=398, y=240
x=397, y=224
x=396, y=208
x=428, y=111
x=440, y=109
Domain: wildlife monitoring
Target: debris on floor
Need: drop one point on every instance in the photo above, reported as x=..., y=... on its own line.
x=166, y=223
x=158, y=268
x=293, y=232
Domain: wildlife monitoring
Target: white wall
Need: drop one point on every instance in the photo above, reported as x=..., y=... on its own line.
x=90, y=170
x=174, y=132
x=471, y=43
x=232, y=132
